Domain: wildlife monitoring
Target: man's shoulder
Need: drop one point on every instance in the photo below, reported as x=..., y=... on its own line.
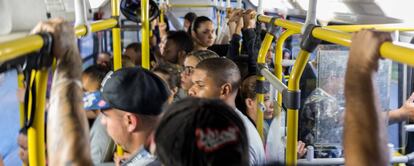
x=142, y=157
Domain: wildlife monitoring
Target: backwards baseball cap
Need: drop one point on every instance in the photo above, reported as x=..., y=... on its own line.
x=135, y=90
x=197, y=131
x=94, y=101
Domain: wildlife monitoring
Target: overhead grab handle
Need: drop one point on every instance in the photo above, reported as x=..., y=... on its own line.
x=310, y=15
x=80, y=16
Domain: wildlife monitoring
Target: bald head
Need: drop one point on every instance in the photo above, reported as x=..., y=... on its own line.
x=221, y=71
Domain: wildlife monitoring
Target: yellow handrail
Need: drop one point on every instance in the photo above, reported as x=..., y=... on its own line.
x=388, y=50
x=261, y=60
x=278, y=74
x=35, y=134
x=379, y=27
x=278, y=64
x=20, y=84
x=145, y=29
x=116, y=43
x=20, y=47
x=292, y=114
x=96, y=26
x=191, y=6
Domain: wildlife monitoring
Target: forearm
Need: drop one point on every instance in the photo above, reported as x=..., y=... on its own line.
x=249, y=37
x=364, y=133
x=68, y=135
x=396, y=116
x=174, y=21
x=233, y=51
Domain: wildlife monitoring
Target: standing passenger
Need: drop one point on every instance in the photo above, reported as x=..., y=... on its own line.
x=201, y=132
x=203, y=33
x=136, y=97
x=190, y=62
x=178, y=44
x=219, y=78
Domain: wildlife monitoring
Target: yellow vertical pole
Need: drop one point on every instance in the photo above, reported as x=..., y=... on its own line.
x=36, y=133
x=278, y=64
x=161, y=16
x=292, y=114
x=116, y=43
x=20, y=84
x=278, y=73
x=31, y=137
x=261, y=60
x=116, y=36
x=145, y=29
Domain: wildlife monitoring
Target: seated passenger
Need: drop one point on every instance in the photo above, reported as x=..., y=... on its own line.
x=190, y=62
x=201, y=132
x=219, y=78
x=248, y=94
x=286, y=55
x=104, y=59
x=365, y=133
x=91, y=82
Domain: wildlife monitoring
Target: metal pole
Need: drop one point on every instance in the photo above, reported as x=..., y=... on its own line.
x=145, y=29
x=116, y=36
x=239, y=4
x=278, y=73
x=35, y=134
x=20, y=84
x=292, y=114
x=273, y=80
x=260, y=7
x=310, y=14
x=161, y=12
x=80, y=13
x=261, y=60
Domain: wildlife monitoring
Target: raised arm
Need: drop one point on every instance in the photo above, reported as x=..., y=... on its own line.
x=365, y=138
x=404, y=113
x=67, y=132
x=250, y=41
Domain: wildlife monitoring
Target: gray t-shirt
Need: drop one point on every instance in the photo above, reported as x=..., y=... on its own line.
x=256, y=148
x=102, y=146
x=142, y=157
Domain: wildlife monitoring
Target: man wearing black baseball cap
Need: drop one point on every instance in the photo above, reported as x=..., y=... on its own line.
x=136, y=97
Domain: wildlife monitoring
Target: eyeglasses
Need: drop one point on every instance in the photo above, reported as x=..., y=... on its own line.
x=188, y=70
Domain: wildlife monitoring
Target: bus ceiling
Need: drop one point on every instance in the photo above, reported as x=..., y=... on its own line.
x=23, y=15
x=346, y=11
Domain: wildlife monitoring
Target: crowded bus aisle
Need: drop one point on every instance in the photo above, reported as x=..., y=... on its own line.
x=200, y=94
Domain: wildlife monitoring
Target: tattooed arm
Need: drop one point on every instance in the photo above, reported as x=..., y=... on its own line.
x=67, y=132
